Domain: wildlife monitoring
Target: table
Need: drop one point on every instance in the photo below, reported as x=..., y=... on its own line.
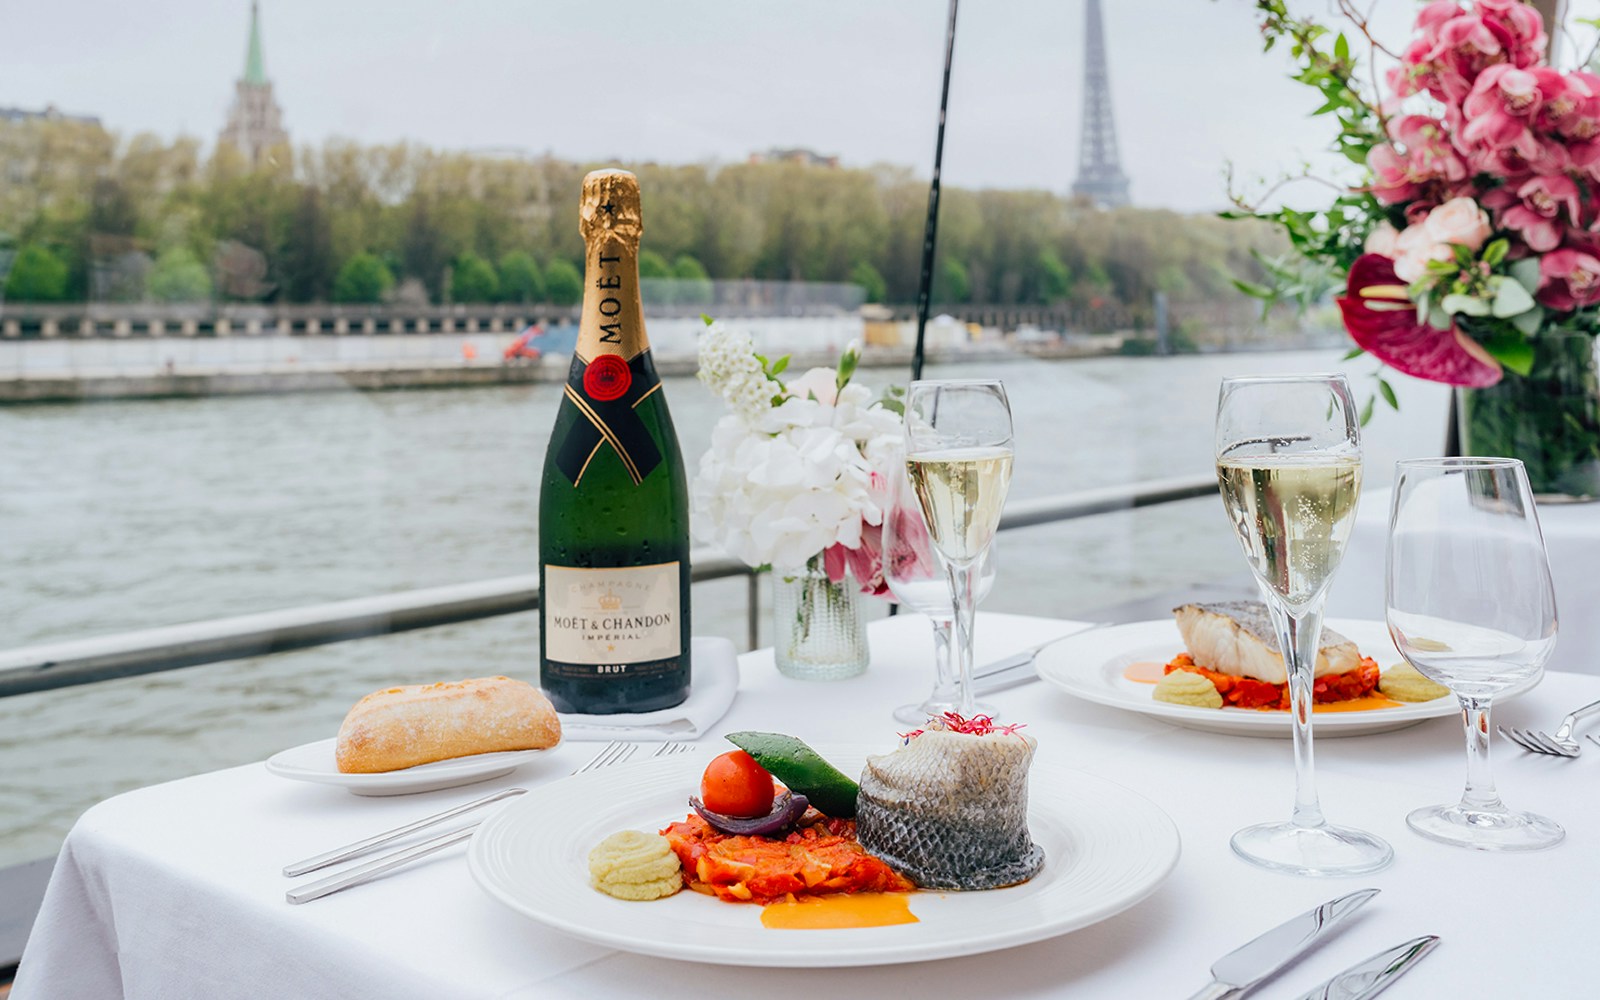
x=174, y=891
x=1571, y=536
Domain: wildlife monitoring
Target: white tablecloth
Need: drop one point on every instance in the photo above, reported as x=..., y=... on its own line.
x=173, y=892
x=1571, y=536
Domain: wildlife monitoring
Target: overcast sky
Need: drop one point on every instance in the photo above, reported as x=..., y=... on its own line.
x=695, y=80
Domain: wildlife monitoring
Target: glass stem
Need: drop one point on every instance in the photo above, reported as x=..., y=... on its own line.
x=1300, y=635
x=966, y=605
x=1480, y=794
x=944, y=677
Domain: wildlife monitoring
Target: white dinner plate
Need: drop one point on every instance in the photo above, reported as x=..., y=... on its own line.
x=315, y=762
x=1090, y=665
x=1106, y=848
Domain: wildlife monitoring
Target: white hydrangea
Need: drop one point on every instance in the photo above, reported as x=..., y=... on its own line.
x=728, y=365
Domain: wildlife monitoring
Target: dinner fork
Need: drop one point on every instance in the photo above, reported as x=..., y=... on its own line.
x=1559, y=743
x=615, y=752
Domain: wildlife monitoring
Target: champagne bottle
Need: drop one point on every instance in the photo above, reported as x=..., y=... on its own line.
x=614, y=504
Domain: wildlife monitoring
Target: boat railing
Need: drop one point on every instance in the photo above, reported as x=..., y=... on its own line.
x=128, y=654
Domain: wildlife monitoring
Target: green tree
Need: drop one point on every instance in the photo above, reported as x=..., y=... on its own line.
x=305, y=266
x=1055, y=281
x=867, y=276
x=952, y=284
x=178, y=276
x=37, y=275
x=653, y=265
x=694, y=284
x=363, y=278
x=563, y=283
x=520, y=278
x=473, y=280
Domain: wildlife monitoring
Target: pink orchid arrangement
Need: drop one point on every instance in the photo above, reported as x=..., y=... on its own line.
x=1478, y=226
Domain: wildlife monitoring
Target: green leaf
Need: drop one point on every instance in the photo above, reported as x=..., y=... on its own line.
x=1466, y=305
x=779, y=365
x=1388, y=394
x=708, y=319
x=1254, y=290
x=1526, y=271
x=1366, y=411
x=1462, y=255
x=1341, y=48
x=1529, y=322
x=1495, y=252
x=1511, y=350
x=1510, y=298
x=1439, y=319
x=1354, y=352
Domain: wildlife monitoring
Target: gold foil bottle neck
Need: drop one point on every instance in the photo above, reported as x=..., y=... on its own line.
x=610, y=208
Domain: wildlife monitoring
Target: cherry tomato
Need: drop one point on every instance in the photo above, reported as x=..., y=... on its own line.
x=735, y=785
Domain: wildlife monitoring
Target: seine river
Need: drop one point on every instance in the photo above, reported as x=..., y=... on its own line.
x=126, y=515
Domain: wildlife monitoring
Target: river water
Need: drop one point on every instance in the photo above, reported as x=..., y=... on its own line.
x=126, y=515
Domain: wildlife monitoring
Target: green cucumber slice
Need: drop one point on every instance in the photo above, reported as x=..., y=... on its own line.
x=802, y=770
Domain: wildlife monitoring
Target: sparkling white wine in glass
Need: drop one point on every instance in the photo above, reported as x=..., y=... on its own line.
x=1293, y=514
x=1288, y=454
x=961, y=491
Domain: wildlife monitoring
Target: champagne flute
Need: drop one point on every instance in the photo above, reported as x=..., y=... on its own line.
x=1471, y=606
x=1288, y=454
x=911, y=569
x=958, y=460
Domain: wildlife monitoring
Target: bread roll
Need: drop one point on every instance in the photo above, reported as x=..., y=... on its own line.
x=405, y=726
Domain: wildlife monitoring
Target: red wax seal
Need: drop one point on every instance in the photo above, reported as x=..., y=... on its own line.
x=607, y=377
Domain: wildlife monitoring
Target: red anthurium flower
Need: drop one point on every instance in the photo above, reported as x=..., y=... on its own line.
x=1383, y=320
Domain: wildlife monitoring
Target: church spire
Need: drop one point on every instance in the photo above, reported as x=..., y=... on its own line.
x=255, y=124
x=255, y=68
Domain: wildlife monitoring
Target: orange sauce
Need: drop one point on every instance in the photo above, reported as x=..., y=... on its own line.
x=1144, y=672
x=861, y=909
x=1356, y=704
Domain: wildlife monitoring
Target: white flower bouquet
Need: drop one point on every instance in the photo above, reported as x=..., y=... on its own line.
x=794, y=473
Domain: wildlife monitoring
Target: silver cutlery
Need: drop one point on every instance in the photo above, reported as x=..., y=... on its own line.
x=1245, y=967
x=360, y=847
x=615, y=752
x=1559, y=743
x=1365, y=980
x=1018, y=668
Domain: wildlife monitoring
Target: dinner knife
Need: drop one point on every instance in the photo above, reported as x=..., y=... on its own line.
x=1242, y=969
x=1016, y=669
x=1365, y=980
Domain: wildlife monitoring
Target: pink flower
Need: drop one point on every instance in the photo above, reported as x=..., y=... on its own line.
x=1498, y=109
x=1568, y=279
x=1382, y=240
x=1522, y=24
x=1429, y=165
x=865, y=561
x=1459, y=221
x=1537, y=209
x=1469, y=44
x=1415, y=247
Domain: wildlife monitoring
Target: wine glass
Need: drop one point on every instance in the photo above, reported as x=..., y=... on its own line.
x=958, y=460
x=912, y=570
x=1288, y=454
x=1471, y=606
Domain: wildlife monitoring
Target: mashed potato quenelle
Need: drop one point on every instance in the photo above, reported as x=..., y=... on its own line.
x=635, y=866
x=1402, y=682
x=1183, y=688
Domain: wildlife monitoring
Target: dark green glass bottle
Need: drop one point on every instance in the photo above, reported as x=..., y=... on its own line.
x=614, y=504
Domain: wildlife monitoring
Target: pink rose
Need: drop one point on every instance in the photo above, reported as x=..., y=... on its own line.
x=1416, y=246
x=1382, y=240
x=1459, y=221
x=820, y=382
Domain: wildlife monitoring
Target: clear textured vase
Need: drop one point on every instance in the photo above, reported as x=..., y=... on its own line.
x=818, y=632
x=1549, y=418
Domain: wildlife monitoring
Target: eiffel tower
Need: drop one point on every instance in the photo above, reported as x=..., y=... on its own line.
x=1100, y=176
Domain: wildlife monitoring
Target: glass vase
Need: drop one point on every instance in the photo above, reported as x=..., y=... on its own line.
x=1549, y=418
x=818, y=631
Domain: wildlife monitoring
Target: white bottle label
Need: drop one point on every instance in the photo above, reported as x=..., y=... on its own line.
x=612, y=617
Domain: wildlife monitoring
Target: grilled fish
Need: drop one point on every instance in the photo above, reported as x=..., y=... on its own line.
x=950, y=810
x=1237, y=637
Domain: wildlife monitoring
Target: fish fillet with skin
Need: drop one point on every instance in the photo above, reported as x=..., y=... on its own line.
x=1237, y=637
x=950, y=810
